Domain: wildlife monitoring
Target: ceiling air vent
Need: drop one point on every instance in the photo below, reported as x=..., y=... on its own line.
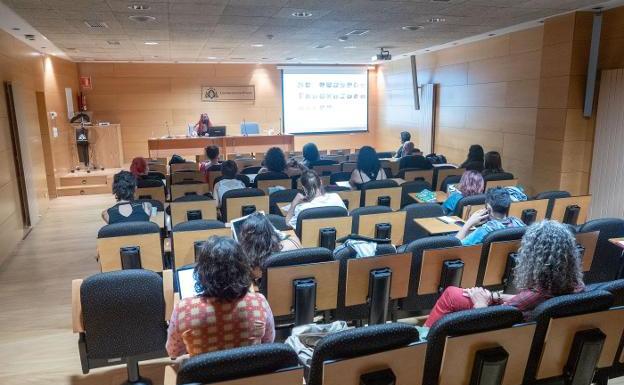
x=95, y=24
x=113, y=42
x=358, y=32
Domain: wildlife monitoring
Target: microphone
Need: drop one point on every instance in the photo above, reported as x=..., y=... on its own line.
x=244, y=127
x=280, y=126
x=168, y=129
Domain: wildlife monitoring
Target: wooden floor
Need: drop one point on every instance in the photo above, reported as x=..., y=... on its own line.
x=37, y=345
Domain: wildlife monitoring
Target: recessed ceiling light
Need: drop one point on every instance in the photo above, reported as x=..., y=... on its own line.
x=302, y=14
x=343, y=38
x=349, y=47
x=154, y=56
x=29, y=37
x=212, y=58
x=412, y=27
x=264, y=58
x=142, y=18
x=257, y=45
x=139, y=7
x=320, y=46
x=427, y=50
x=492, y=34
x=151, y=43
x=15, y=29
x=358, y=32
x=290, y=58
x=113, y=42
x=44, y=47
x=436, y=20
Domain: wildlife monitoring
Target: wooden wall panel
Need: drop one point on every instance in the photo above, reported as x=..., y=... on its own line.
x=142, y=97
x=488, y=94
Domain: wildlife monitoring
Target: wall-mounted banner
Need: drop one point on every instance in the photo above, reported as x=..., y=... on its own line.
x=227, y=94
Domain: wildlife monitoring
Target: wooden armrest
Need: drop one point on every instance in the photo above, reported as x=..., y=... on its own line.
x=170, y=375
x=168, y=293
x=77, y=325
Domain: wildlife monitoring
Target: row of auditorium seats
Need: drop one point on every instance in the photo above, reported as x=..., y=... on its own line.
x=570, y=339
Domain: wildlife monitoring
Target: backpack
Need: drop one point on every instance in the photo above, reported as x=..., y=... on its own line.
x=436, y=159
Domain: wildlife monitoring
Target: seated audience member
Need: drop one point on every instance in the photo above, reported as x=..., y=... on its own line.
x=314, y=195
x=493, y=217
x=126, y=209
x=226, y=313
x=259, y=239
x=275, y=161
x=548, y=265
x=493, y=163
x=413, y=158
x=474, y=161
x=310, y=155
x=140, y=169
x=212, y=164
x=368, y=168
x=471, y=183
x=405, y=137
x=229, y=169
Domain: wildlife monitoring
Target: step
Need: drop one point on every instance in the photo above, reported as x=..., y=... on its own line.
x=84, y=190
x=83, y=180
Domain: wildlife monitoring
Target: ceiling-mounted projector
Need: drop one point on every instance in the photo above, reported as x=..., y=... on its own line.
x=383, y=54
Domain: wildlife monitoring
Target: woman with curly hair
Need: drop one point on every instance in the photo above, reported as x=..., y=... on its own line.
x=126, y=209
x=259, y=240
x=275, y=163
x=471, y=183
x=548, y=265
x=226, y=313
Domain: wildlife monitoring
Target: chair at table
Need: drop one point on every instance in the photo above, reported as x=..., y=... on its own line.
x=451, y=179
x=265, y=364
x=551, y=196
x=342, y=176
x=240, y=202
x=151, y=189
x=607, y=261
x=299, y=283
x=322, y=226
x=498, y=176
x=416, y=174
x=186, y=166
x=441, y=172
x=189, y=188
x=281, y=198
x=242, y=177
x=464, y=202
x=615, y=287
x=381, y=193
x=563, y=313
x=326, y=169
x=130, y=245
x=251, y=170
x=419, y=210
x=121, y=319
x=412, y=187
x=356, y=356
x=379, y=222
x=444, y=344
x=496, y=261
x=187, y=176
x=188, y=238
x=416, y=303
x=348, y=166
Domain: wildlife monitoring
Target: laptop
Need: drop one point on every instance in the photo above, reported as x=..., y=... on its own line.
x=186, y=281
x=216, y=131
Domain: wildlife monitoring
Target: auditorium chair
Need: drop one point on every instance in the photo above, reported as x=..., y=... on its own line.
x=379, y=222
x=242, y=177
x=473, y=200
x=348, y=166
x=188, y=238
x=498, y=176
x=121, y=318
x=496, y=261
x=150, y=189
x=265, y=364
x=418, y=210
x=244, y=201
x=186, y=176
x=415, y=303
x=322, y=226
x=299, y=283
x=341, y=176
x=385, y=154
x=188, y=188
x=608, y=263
x=480, y=324
x=160, y=168
x=452, y=179
x=440, y=172
x=270, y=179
x=281, y=198
x=381, y=193
x=350, y=198
x=416, y=174
x=130, y=245
x=551, y=196
x=251, y=170
x=369, y=288
x=615, y=287
x=412, y=187
x=560, y=311
x=392, y=351
x=192, y=207
x=342, y=151
x=326, y=167
x=188, y=166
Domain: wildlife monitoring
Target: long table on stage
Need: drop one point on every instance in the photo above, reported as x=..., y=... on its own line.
x=161, y=147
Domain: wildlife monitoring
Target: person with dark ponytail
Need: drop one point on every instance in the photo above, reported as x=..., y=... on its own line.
x=368, y=168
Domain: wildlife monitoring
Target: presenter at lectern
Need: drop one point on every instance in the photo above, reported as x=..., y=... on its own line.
x=203, y=125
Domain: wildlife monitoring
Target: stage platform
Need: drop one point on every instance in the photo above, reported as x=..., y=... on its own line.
x=82, y=182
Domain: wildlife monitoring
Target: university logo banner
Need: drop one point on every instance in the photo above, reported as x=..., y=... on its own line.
x=227, y=94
